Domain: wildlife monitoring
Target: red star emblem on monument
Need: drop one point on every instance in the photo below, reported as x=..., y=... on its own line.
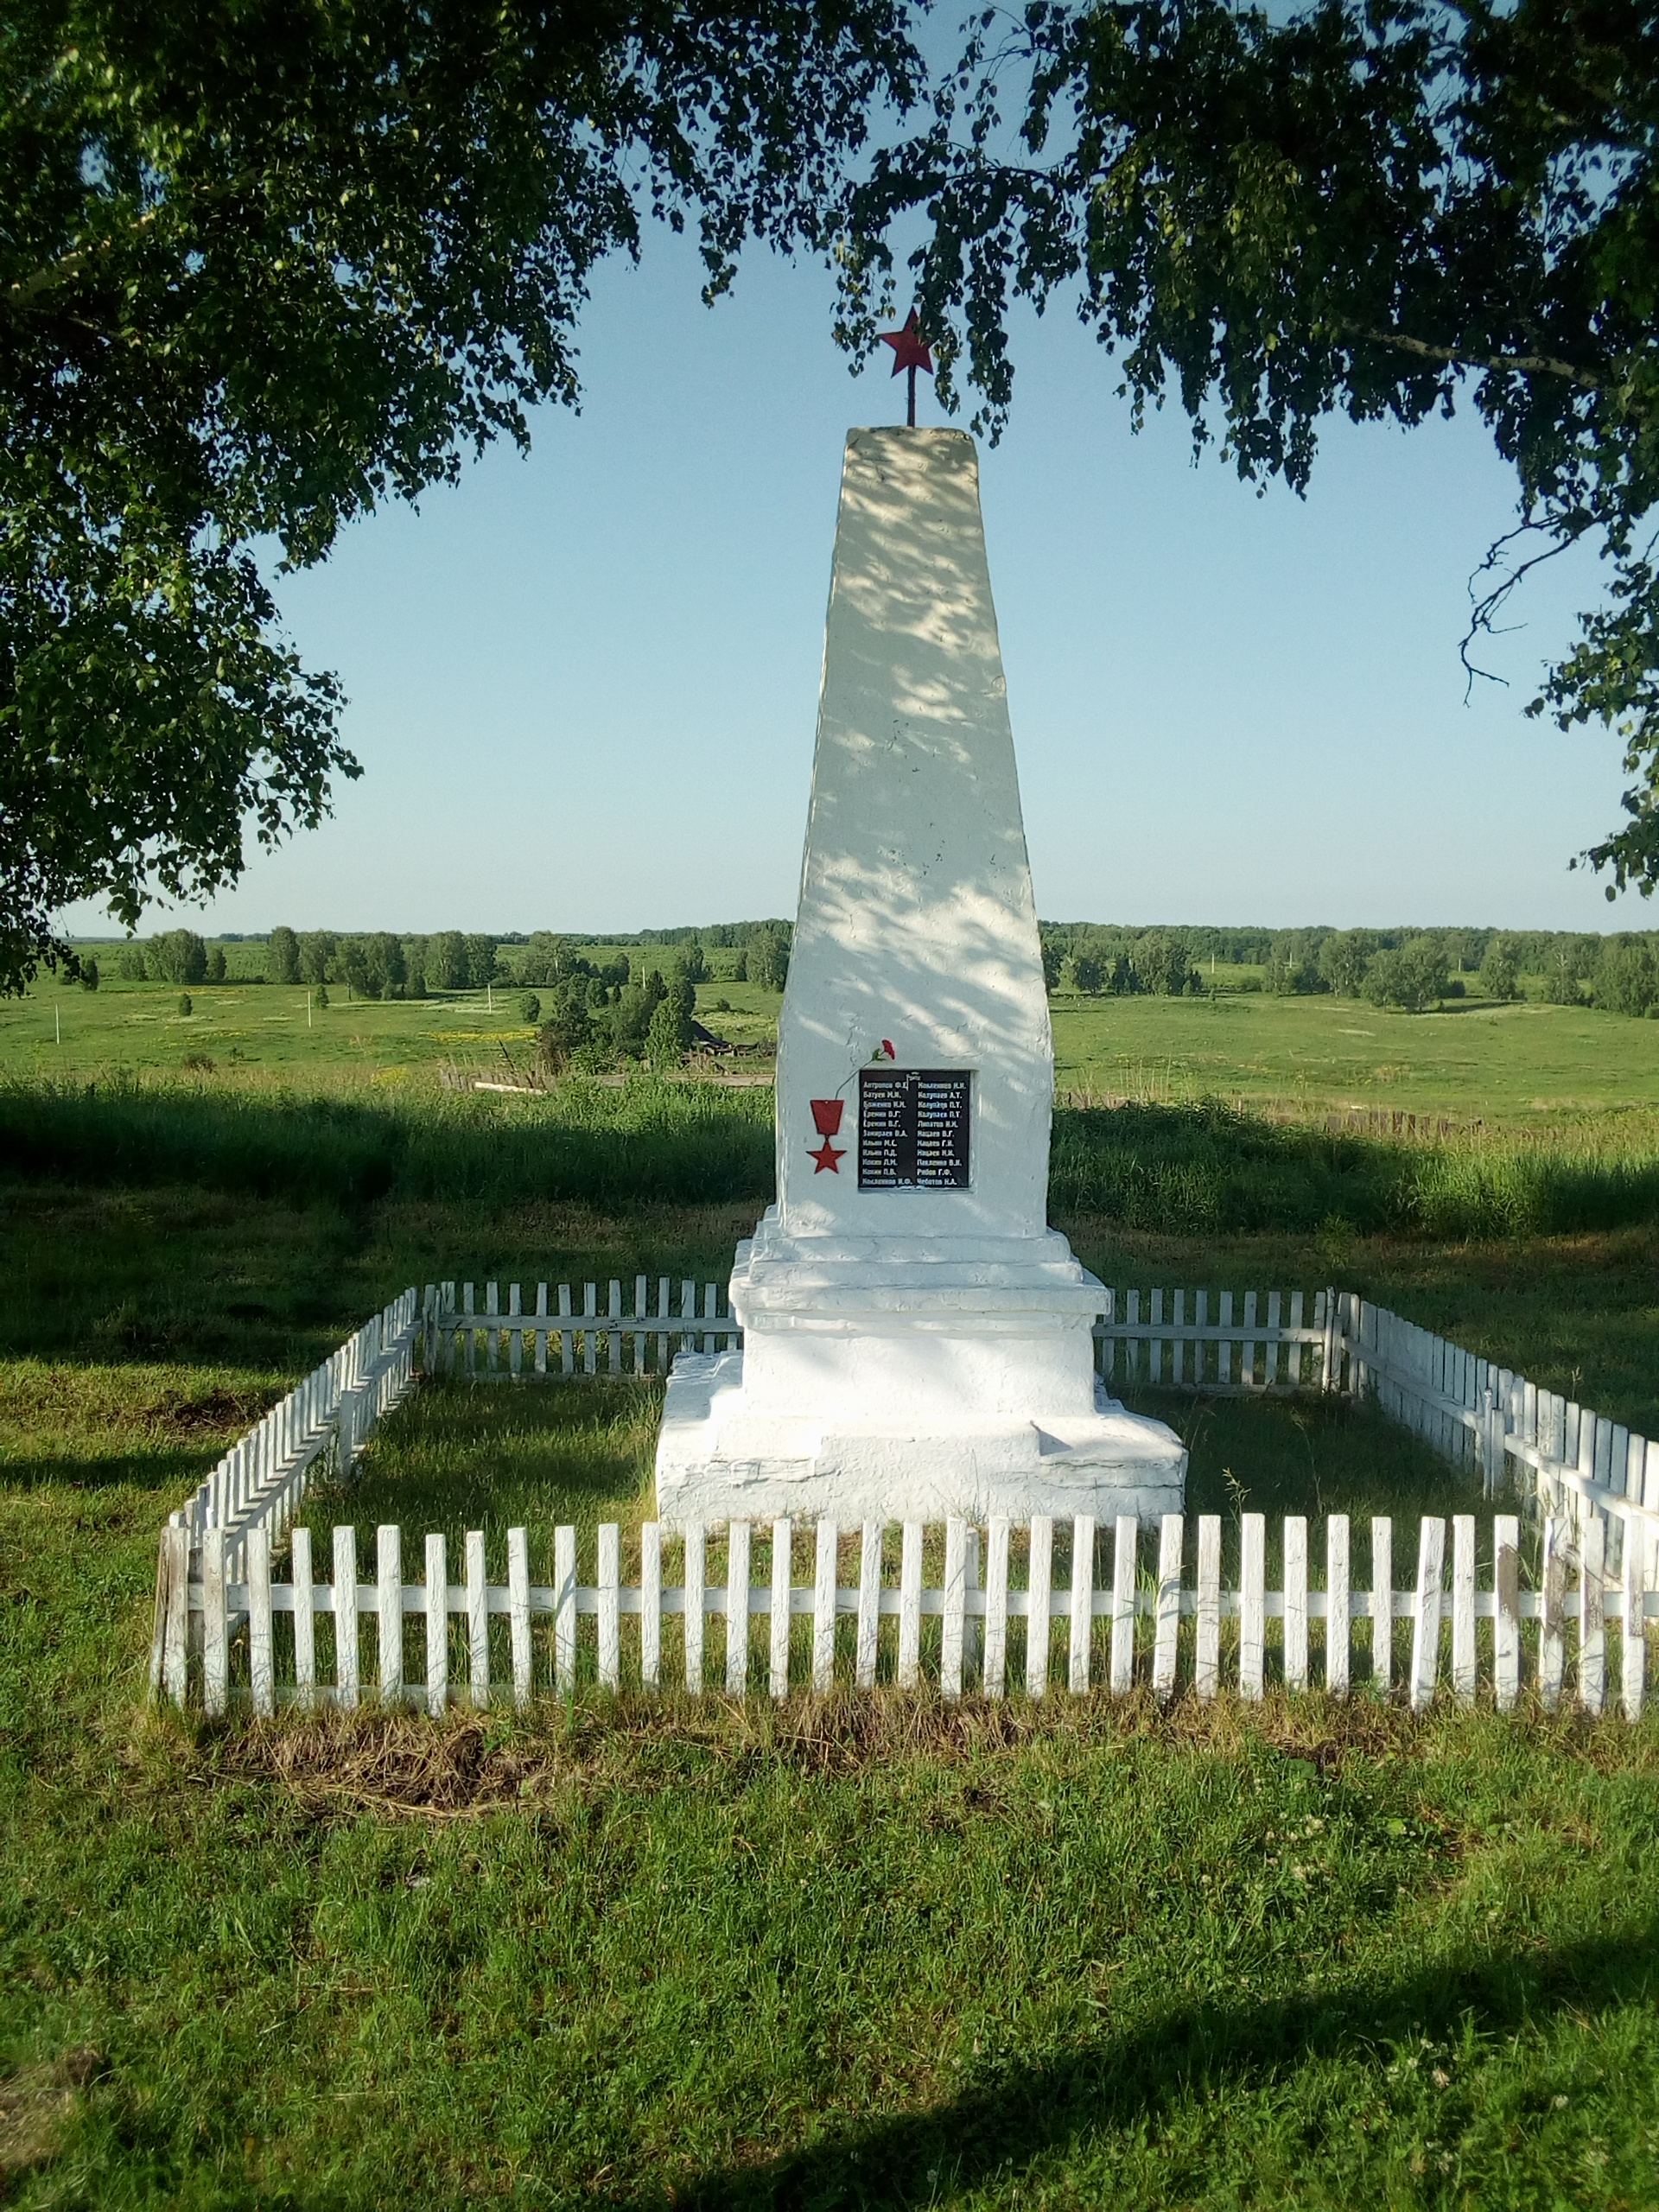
x=826, y=1156
x=909, y=350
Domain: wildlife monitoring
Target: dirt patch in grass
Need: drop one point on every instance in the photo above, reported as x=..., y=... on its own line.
x=36, y=2106
x=470, y=1764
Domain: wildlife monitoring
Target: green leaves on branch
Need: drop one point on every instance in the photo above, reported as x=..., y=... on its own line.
x=263, y=267
x=1388, y=209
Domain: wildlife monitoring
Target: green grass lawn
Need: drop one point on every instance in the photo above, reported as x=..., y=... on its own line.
x=258, y=1034
x=1522, y=1067
x=864, y=1954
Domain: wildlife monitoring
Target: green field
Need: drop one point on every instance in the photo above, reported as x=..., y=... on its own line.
x=860, y=1954
x=1522, y=1068
x=264, y=1031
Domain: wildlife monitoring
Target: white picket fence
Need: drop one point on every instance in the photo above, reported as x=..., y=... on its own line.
x=261, y=1479
x=1472, y=1411
x=1586, y=1475
x=1472, y=1624
x=556, y=1339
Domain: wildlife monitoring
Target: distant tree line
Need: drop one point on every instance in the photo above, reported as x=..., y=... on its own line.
x=1409, y=969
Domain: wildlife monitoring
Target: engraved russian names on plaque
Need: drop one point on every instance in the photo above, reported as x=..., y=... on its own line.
x=912, y=1129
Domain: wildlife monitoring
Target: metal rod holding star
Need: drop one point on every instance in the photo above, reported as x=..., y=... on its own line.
x=910, y=351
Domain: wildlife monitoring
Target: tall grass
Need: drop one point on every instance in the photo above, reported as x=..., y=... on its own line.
x=1182, y=1170
x=686, y=1143
x=1193, y=1170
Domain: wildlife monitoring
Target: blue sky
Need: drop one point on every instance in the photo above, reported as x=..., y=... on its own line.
x=582, y=685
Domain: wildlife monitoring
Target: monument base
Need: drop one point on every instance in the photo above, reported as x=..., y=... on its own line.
x=717, y=1461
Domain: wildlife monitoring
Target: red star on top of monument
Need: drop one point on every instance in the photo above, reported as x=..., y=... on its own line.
x=909, y=346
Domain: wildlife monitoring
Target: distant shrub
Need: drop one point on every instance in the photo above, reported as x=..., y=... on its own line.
x=445, y=961
x=768, y=962
x=530, y=1008
x=1344, y=958
x=1627, y=978
x=216, y=964
x=177, y=957
x=185, y=1005
x=1571, y=961
x=1089, y=973
x=668, y=1038
x=1161, y=964
x=1412, y=978
x=1500, y=971
x=198, y=1063
x=283, y=956
x=130, y=963
x=318, y=949
x=89, y=975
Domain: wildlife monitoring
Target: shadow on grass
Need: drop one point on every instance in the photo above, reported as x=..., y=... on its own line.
x=1022, y=2111
x=1205, y=1169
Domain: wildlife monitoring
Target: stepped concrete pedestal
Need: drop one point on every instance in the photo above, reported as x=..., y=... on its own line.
x=918, y=1342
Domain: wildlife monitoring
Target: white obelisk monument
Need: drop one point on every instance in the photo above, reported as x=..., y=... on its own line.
x=917, y=1340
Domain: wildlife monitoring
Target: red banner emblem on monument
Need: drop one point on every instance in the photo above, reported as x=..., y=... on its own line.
x=826, y=1115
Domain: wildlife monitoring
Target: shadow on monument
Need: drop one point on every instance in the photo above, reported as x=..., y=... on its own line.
x=1020, y=2112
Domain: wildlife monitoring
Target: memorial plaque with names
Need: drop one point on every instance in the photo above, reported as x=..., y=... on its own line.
x=912, y=1129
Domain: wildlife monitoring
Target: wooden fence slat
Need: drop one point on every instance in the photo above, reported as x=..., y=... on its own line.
x=1506, y=1609
x=1207, y=1657
x=1178, y=1350
x=1125, y=1549
x=1166, y=1640
x=1155, y=1347
x=541, y=1328
x=477, y=1622
x=1634, y=1643
x=955, y=1587
x=1295, y=1595
x=1247, y=1353
x=515, y=1335
x=613, y=1334
x=608, y=1589
x=869, y=1604
x=694, y=1581
x=995, y=1662
x=1039, y=1600
x=824, y=1608
x=215, y=1626
x=518, y=1612
x=910, y=1607
x=348, y=1682
x=262, y=1676
x=651, y=1603
x=1337, y=1611
x=388, y=1607
x=564, y=1609
x=777, y=1642
x=589, y=1331
x=1083, y=1600
x=641, y=1311
x=1426, y=1625
x=1223, y=1349
x=437, y=1626
x=1382, y=1603
x=303, y=1577
x=737, y=1608
x=1592, y=1614
x=1252, y=1604
x=1463, y=1608
x=1552, y=1635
